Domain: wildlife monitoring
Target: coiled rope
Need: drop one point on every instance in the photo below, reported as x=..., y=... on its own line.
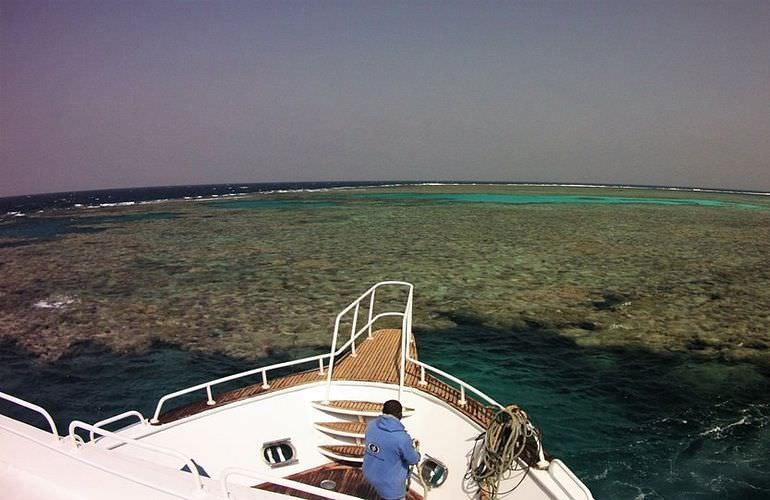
x=503, y=443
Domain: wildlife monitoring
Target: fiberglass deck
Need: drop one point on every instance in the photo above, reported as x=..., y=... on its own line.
x=377, y=360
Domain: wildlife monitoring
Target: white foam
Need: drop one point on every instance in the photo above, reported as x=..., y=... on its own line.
x=718, y=429
x=602, y=475
x=57, y=302
x=114, y=204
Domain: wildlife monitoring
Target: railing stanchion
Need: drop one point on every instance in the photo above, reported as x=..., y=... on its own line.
x=210, y=401
x=331, y=359
x=422, y=376
x=265, y=385
x=321, y=366
x=371, y=311
x=353, y=331
x=462, y=401
x=404, y=348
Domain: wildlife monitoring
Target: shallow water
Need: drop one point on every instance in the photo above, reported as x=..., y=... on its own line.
x=633, y=325
x=522, y=199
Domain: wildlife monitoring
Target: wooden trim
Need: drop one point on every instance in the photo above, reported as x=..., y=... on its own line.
x=377, y=360
x=350, y=480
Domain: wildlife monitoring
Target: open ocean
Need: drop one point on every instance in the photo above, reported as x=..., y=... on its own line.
x=647, y=380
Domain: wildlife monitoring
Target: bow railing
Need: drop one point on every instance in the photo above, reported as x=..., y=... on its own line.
x=355, y=332
x=264, y=370
x=321, y=359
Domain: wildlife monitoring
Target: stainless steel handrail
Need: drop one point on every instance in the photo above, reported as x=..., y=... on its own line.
x=363, y=329
x=320, y=358
x=356, y=303
x=32, y=406
x=76, y=424
x=406, y=330
x=207, y=385
x=408, y=338
x=463, y=385
x=130, y=413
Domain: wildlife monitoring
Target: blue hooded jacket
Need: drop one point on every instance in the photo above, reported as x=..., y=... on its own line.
x=387, y=456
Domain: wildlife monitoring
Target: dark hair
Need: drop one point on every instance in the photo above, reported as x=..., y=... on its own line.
x=392, y=407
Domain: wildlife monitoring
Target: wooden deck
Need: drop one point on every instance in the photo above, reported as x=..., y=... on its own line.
x=377, y=360
x=350, y=480
x=346, y=427
x=349, y=451
x=356, y=407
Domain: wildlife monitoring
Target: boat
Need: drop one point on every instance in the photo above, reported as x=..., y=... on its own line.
x=294, y=429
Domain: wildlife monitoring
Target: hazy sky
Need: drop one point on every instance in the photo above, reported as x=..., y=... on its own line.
x=117, y=94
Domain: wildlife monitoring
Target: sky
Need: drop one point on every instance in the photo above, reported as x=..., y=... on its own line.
x=104, y=94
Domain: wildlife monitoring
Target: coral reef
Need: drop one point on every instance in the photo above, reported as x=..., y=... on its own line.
x=269, y=272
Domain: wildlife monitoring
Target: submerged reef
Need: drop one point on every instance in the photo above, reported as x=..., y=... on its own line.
x=269, y=272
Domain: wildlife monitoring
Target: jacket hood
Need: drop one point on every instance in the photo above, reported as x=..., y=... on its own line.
x=389, y=423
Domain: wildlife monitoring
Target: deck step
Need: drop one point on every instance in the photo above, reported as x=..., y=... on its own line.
x=360, y=408
x=346, y=429
x=344, y=453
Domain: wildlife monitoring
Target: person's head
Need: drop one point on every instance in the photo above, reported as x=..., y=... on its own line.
x=392, y=407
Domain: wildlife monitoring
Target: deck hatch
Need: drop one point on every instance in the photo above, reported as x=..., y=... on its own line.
x=279, y=453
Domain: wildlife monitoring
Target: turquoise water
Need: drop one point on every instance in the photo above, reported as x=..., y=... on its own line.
x=522, y=199
x=516, y=199
x=630, y=423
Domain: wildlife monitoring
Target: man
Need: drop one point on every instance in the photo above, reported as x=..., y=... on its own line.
x=389, y=452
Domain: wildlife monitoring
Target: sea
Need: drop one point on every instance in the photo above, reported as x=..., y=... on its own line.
x=619, y=317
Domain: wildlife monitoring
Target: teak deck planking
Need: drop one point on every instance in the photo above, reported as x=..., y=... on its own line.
x=345, y=450
x=377, y=360
x=349, y=480
x=349, y=427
